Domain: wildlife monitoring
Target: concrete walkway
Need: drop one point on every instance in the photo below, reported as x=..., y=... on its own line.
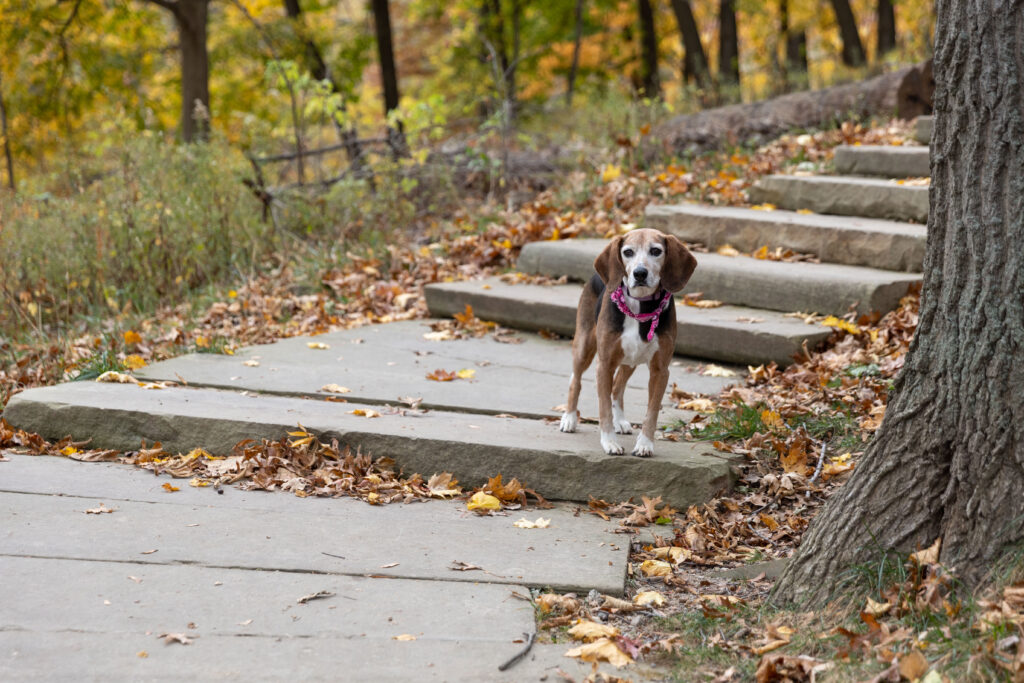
x=87, y=596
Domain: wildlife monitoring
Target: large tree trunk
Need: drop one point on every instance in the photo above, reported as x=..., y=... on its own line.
x=191, y=18
x=853, y=49
x=314, y=58
x=386, y=53
x=695, y=60
x=728, y=44
x=648, y=50
x=948, y=460
x=906, y=93
x=795, y=62
x=886, y=28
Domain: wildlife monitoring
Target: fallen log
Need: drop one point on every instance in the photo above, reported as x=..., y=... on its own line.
x=905, y=93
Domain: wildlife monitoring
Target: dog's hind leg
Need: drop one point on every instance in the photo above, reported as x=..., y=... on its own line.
x=622, y=376
x=583, y=349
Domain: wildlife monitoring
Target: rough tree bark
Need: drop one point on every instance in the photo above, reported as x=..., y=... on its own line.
x=648, y=50
x=728, y=44
x=191, y=18
x=948, y=460
x=886, y=28
x=853, y=49
x=695, y=59
x=386, y=54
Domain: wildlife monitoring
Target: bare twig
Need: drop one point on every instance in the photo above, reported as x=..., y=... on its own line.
x=522, y=653
x=821, y=461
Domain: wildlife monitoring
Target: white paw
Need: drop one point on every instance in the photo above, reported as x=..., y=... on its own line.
x=569, y=421
x=622, y=425
x=610, y=445
x=644, y=447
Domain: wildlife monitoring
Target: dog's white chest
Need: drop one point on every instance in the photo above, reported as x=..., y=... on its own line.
x=635, y=350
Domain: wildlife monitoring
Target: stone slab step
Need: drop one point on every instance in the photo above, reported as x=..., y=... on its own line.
x=380, y=363
x=733, y=334
x=888, y=245
x=473, y=447
x=844, y=195
x=745, y=281
x=888, y=161
x=923, y=129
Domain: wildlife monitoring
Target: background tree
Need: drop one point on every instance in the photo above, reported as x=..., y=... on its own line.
x=853, y=48
x=728, y=45
x=386, y=54
x=649, y=50
x=886, y=28
x=7, y=140
x=794, y=64
x=577, y=44
x=948, y=460
x=191, y=17
x=695, y=59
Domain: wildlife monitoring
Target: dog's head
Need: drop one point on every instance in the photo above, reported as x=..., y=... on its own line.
x=645, y=261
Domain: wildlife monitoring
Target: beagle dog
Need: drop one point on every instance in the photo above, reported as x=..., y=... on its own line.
x=627, y=317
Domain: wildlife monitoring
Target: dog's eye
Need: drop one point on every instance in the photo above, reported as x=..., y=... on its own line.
x=628, y=253
x=655, y=251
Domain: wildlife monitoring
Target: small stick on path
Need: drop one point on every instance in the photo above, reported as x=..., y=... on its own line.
x=519, y=655
x=821, y=461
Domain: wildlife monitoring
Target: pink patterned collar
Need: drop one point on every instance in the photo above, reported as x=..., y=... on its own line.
x=618, y=296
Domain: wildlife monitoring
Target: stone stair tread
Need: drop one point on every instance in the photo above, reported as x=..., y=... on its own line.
x=472, y=447
x=923, y=129
x=735, y=334
x=891, y=161
x=742, y=280
x=852, y=240
x=844, y=195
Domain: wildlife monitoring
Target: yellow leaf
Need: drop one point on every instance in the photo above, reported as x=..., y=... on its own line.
x=656, y=568
x=728, y=250
x=764, y=207
x=318, y=345
x=772, y=420
x=335, y=389
x=202, y=342
x=806, y=212
x=701, y=405
x=768, y=647
x=601, y=650
x=877, y=609
x=524, y=523
x=762, y=253
x=838, y=324
x=364, y=413
x=769, y=522
x=644, y=598
x=170, y=489
x=134, y=362
x=610, y=172
x=132, y=337
x=483, y=501
x=404, y=636
x=69, y=450
x=466, y=373
x=588, y=631
x=928, y=555
x=232, y=294
x=720, y=599
x=197, y=482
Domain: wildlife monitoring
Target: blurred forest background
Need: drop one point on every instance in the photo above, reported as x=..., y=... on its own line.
x=319, y=129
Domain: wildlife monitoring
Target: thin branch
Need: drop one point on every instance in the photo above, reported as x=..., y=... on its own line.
x=171, y=5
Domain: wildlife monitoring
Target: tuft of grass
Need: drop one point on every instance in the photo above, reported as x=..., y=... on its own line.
x=102, y=361
x=740, y=422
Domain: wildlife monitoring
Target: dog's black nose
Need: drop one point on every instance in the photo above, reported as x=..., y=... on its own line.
x=640, y=274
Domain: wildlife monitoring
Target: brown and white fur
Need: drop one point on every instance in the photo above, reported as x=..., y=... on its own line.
x=644, y=262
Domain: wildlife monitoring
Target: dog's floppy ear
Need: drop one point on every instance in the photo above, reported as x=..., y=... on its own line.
x=608, y=264
x=679, y=264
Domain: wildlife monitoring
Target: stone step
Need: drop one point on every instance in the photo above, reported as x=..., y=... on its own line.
x=923, y=129
x=745, y=281
x=844, y=195
x=888, y=161
x=733, y=334
x=473, y=447
x=889, y=245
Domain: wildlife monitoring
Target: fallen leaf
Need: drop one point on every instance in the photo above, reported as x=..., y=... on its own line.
x=404, y=636
x=717, y=371
x=320, y=346
x=251, y=363
x=116, y=378
x=877, y=609
x=135, y=579
x=141, y=654
x=769, y=646
x=132, y=337
x=673, y=553
x=440, y=375
x=588, y=631
x=913, y=665
x=314, y=596
x=656, y=568
x=601, y=650
x=466, y=373
x=389, y=566
x=483, y=501
x=550, y=602
x=196, y=482
x=700, y=405
x=838, y=324
x=335, y=389
x=764, y=207
x=177, y=638
x=460, y=566
x=929, y=555
x=245, y=623
x=148, y=552
x=170, y=489
x=645, y=598
x=364, y=412
x=100, y=510
x=134, y=362
x=524, y=523
x=727, y=250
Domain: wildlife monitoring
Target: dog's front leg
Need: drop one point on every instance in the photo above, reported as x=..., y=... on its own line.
x=605, y=373
x=644, y=447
